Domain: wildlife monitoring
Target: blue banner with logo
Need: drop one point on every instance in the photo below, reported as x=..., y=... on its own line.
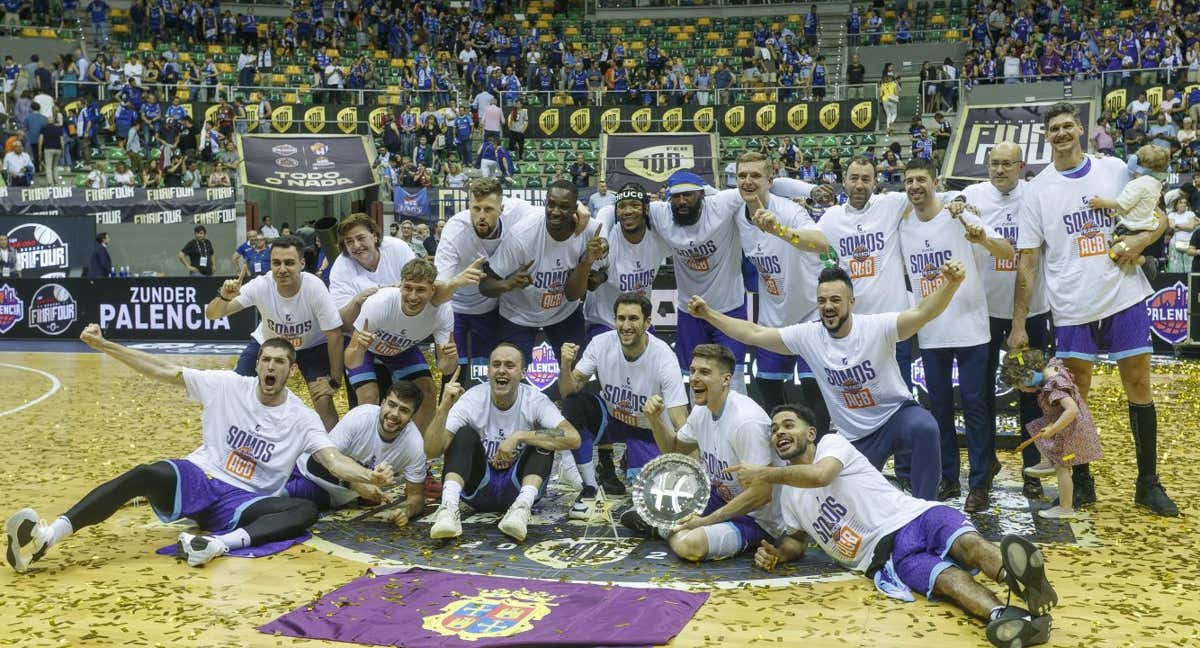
x=411, y=204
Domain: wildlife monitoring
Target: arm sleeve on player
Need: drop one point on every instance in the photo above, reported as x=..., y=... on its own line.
x=545, y=414
x=327, y=315
x=791, y=188
x=251, y=293
x=1029, y=223
x=445, y=324
x=586, y=363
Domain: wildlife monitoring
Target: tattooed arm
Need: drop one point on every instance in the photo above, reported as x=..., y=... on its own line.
x=563, y=437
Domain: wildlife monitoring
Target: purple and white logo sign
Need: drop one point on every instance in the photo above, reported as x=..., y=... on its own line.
x=1168, y=313
x=12, y=309
x=543, y=367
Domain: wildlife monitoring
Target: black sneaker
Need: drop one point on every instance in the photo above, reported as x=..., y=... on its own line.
x=606, y=474
x=1151, y=495
x=582, y=509
x=1024, y=570
x=948, y=490
x=1032, y=488
x=1015, y=627
x=630, y=519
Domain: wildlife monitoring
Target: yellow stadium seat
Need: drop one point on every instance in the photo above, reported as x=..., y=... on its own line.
x=682, y=36
x=380, y=55
x=571, y=31
x=888, y=39
x=615, y=31
x=292, y=69
x=49, y=33
x=397, y=63
x=225, y=68
x=745, y=34
x=543, y=24
x=673, y=29
x=953, y=35
x=704, y=21
x=185, y=57
x=743, y=42
x=381, y=99
x=291, y=97
x=776, y=26
x=393, y=89
x=690, y=29
x=213, y=49
x=795, y=18
x=121, y=28
x=759, y=97
x=332, y=53
x=183, y=94
x=556, y=100
x=29, y=32
x=713, y=36
x=937, y=19
x=278, y=79
x=1126, y=14
x=724, y=51
x=116, y=12
x=645, y=22
x=637, y=46
x=546, y=38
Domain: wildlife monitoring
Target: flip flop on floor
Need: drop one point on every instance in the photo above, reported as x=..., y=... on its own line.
x=1014, y=628
x=1025, y=574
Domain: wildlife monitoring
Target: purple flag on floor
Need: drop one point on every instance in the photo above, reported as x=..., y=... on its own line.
x=268, y=549
x=421, y=609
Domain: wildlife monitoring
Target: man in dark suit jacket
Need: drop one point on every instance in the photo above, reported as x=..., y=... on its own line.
x=100, y=265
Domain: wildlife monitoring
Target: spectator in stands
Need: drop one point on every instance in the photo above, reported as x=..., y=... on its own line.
x=724, y=81
x=18, y=166
x=122, y=176
x=197, y=255
x=518, y=123
x=462, y=134
x=10, y=264
x=941, y=137
x=34, y=123
x=268, y=230
x=455, y=178
x=889, y=98
x=1102, y=138
x=1163, y=132
x=98, y=10
x=602, y=198
x=50, y=146
x=856, y=76
x=491, y=120
x=1182, y=224
x=100, y=263
x=488, y=161
x=581, y=172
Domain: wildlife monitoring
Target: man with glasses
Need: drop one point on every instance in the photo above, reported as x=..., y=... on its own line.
x=999, y=204
x=254, y=255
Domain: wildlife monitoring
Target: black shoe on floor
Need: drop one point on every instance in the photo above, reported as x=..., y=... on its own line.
x=1151, y=495
x=630, y=519
x=606, y=474
x=948, y=491
x=978, y=500
x=1032, y=488
x=1015, y=627
x=1025, y=574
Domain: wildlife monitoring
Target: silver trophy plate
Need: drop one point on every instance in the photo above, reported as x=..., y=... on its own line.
x=670, y=488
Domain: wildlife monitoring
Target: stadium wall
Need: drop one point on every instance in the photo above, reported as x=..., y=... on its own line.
x=908, y=58
x=155, y=247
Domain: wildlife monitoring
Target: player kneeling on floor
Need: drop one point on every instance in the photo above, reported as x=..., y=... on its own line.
x=379, y=437
x=728, y=428
x=632, y=366
x=254, y=430
x=499, y=441
x=831, y=493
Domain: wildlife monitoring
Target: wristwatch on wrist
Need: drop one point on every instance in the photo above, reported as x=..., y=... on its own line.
x=336, y=383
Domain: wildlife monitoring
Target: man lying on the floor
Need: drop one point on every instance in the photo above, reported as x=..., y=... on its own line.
x=831, y=493
x=254, y=430
x=374, y=436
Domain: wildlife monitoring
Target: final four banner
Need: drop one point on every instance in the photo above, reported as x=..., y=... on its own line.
x=307, y=164
x=982, y=127
x=116, y=205
x=811, y=117
x=650, y=159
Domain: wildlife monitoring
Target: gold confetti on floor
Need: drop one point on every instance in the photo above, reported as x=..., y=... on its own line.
x=105, y=586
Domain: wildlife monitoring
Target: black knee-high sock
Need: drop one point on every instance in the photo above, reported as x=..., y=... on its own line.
x=1081, y=471
x=278, y=518
x=770, y=391
x=156, y=482
x=1143, y=422
x=816, y=402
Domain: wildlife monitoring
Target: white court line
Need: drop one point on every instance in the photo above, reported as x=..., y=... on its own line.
x=54, y=387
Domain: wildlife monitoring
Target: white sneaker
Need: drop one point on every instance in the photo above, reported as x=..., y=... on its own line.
x=446, y=523
x=515, y=522
x=198, y=550
x=1058, y=513
x=1041, y=471
x=26, y=539
x=583, y=507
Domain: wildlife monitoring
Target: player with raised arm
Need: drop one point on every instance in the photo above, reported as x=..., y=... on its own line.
x=294, y=305
x=540, y=273
x=783, y=243
x=390, y=326
x=631, y=366
x=855, y=356
x=374, y=436
x=254, y=430
x=934, y=233
x=1096, y=305
x=498, y=440
x=830, y=493
x=727, y=428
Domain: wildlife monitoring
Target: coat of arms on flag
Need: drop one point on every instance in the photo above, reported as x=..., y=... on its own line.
x=491, y=613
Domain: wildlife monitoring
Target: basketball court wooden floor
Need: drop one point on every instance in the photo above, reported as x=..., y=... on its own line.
x=73, y=420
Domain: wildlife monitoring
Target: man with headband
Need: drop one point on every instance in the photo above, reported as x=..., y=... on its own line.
x=704, y=242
